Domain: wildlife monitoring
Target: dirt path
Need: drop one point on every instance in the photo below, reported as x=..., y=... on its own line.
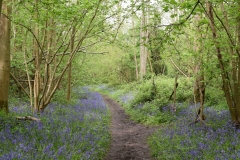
x=129, y=139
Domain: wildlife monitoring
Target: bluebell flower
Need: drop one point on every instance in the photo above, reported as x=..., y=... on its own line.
x=61, y=149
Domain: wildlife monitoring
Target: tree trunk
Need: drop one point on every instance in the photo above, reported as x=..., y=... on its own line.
x=143, y=49
x=45, y=85
x=4, y=57
x=135, y=54
x=1, y=7
x=199, y=84
x=70, y=65
x=27, y=72
x=38, y=59
x=174, y=109
x=230, y=85
x=237, y=81
x=235, y=64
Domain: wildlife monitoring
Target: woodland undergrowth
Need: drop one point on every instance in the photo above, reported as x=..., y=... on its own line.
x=179, y=137
x=76, y=131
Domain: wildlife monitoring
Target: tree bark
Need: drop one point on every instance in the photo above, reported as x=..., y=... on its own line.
x=135, y=54
x=199, y=84
x=237, y=82
x=175, y=94
x=38, y=59
x=29, y=118
x=1, y=7
x=143, y=48
x=4, y=57
x=69, y=88
x=230, y=85
x=27, y=72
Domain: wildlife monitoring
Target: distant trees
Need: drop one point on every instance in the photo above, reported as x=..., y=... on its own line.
x=4, y=55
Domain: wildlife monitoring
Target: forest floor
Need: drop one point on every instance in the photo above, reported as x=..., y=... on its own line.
x=129, y=139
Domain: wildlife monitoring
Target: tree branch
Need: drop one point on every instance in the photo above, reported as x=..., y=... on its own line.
x=228, y=34
x=29, y=29
x=29, y=118
x=15, y=79
x=182, y=22
x=178, y=68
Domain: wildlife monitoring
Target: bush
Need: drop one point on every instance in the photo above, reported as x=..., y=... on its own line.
x=215, y=97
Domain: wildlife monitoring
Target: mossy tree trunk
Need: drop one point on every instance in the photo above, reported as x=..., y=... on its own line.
x=4, y=57
x=199, y=84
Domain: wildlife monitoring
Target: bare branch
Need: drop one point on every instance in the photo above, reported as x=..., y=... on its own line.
x=94, y=52
x=16, y=80
x=226, y=30
x=178, y=68
x=29, y=118
x=29, y=29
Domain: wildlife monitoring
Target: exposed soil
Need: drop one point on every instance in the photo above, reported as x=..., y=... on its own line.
x=129, y=139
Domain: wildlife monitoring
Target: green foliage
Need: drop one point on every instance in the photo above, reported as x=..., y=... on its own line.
x=149, y=113
x=60, y=97
x=214, y=97
x=164, y=88
x=145, y=106
x=184, y=90
x=100, y=68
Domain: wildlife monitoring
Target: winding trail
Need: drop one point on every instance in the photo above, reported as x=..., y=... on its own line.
x=129, y=139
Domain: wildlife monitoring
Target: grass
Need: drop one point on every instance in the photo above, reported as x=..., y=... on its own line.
x=78, y=131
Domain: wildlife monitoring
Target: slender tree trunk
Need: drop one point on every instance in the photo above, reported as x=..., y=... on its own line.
x=47, y=71
x=136, y=64
x=230, y=85
x=43, y=95
x=27, y=71
x=235, y=64
x=150, y=62
x=175, y=94
x=135, y=54
x=69, y=88
x=4, y=57
x=70, y=65
x=50, y=47
x=143, y=49
x=38, y=58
